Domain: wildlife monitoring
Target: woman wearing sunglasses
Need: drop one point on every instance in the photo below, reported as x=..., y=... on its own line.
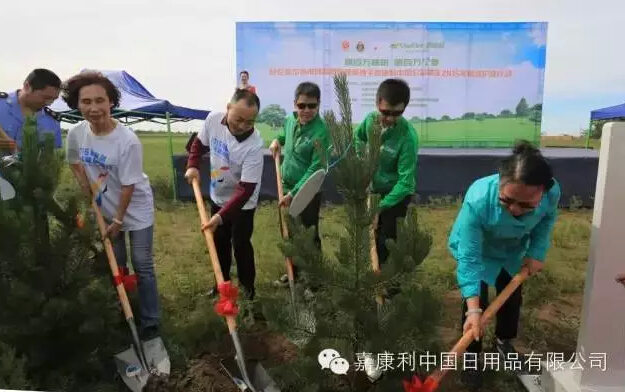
x=505, y=222
x=305, y=138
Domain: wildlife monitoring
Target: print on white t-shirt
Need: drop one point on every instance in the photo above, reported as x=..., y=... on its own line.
x=231, y=161
x=111, y=161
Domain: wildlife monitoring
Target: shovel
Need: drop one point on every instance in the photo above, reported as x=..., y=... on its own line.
x=138, y=363
x=375, y=262
x=371, y=367
x=432, y=382
x=304, y=318
x=261, y=380
x=7, y=192
x=285, y=234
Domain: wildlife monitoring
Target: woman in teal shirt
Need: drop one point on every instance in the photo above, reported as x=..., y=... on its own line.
x=505, y=222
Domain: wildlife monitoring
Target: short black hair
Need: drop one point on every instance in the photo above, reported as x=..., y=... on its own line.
x=40, y=78
x=393, y=91
x=71, y=88
x=527, y=165
x=249, y=97
x=244, y=72
x=308, y=89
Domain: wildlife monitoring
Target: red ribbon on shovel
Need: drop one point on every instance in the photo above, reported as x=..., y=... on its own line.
x=129, y=280
x=432, y=382
x=227, y=303
x=415, y=385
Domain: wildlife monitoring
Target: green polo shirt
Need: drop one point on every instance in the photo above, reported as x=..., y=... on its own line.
x=302, y=157
x=395, y=177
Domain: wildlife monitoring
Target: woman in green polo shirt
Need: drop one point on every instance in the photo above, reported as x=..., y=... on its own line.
x=304, y=138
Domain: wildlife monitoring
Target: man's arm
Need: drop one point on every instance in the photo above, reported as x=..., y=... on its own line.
x=195, y=153
x=58, y=137
x=318, y=157
x=540, y=237
x=251, y=175
x=200, y=145
x=361, y=130
x=6, y=143
x=406, y=170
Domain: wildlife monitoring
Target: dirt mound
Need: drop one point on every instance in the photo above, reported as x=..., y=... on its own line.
x=206, y=374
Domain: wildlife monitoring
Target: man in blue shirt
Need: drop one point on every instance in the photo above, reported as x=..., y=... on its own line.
x=40, y=89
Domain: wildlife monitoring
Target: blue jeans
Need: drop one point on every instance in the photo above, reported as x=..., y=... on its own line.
x=141, y=242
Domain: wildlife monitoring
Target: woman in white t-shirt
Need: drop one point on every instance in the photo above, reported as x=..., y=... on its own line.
x=107, y=160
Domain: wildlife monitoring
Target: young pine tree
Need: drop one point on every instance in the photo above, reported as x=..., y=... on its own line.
x=58, y=309
x=344, y=308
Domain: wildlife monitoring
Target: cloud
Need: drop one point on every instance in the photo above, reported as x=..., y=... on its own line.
x=286, y=28
x=538, y=35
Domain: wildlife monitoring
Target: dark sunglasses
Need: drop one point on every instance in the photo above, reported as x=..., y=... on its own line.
x=508, y=201
x=302, y=106
x=391, y=113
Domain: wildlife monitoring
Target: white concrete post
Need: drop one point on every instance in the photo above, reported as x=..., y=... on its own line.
x=602, y=329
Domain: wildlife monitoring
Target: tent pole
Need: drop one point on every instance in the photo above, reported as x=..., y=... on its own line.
x=174, y=179
x=588, y=133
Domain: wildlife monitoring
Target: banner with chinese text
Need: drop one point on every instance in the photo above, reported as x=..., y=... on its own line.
x=472, y=84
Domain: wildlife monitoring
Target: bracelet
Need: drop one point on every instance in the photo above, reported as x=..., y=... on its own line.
x=117, y=221
x=471, y=311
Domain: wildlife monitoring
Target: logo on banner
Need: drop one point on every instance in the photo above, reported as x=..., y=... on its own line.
x=360, y=46
x=345, y=45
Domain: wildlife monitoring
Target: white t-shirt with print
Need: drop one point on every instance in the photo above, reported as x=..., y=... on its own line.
x=111, y=161
x=231, y=161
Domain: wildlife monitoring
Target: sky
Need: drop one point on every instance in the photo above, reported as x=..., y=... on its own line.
x=185, y=51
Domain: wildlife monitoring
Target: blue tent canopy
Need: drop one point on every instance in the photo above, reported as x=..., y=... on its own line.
x=137, y=104
x=608, y=113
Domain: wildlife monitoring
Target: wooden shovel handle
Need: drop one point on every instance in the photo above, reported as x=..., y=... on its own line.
x=110, y=254
x=375, y=262
x=464, y=342
x=284, y=228
x=210, y=243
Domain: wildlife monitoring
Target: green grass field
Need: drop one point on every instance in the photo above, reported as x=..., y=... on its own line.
x=550, y=315
x=459, y=133
x=488, y=132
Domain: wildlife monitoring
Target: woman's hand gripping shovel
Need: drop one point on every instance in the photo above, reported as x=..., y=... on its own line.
x=432, y=382
x=226, y=306
x=135, y=365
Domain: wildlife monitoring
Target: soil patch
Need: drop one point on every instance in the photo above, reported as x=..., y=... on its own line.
x=206, y=374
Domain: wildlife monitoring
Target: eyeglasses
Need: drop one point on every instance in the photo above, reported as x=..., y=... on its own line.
x=508, y=201
x=302, y=106
x=391, y=113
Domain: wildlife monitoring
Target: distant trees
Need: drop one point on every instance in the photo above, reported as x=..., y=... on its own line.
x=522, y=110
x=273, y=115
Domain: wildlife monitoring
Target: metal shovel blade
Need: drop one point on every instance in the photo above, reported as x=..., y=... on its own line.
x=129, y=364
x=7, y=192
x=306, y=322
x=157, y=357
x=129, y=367
x=260, y=379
